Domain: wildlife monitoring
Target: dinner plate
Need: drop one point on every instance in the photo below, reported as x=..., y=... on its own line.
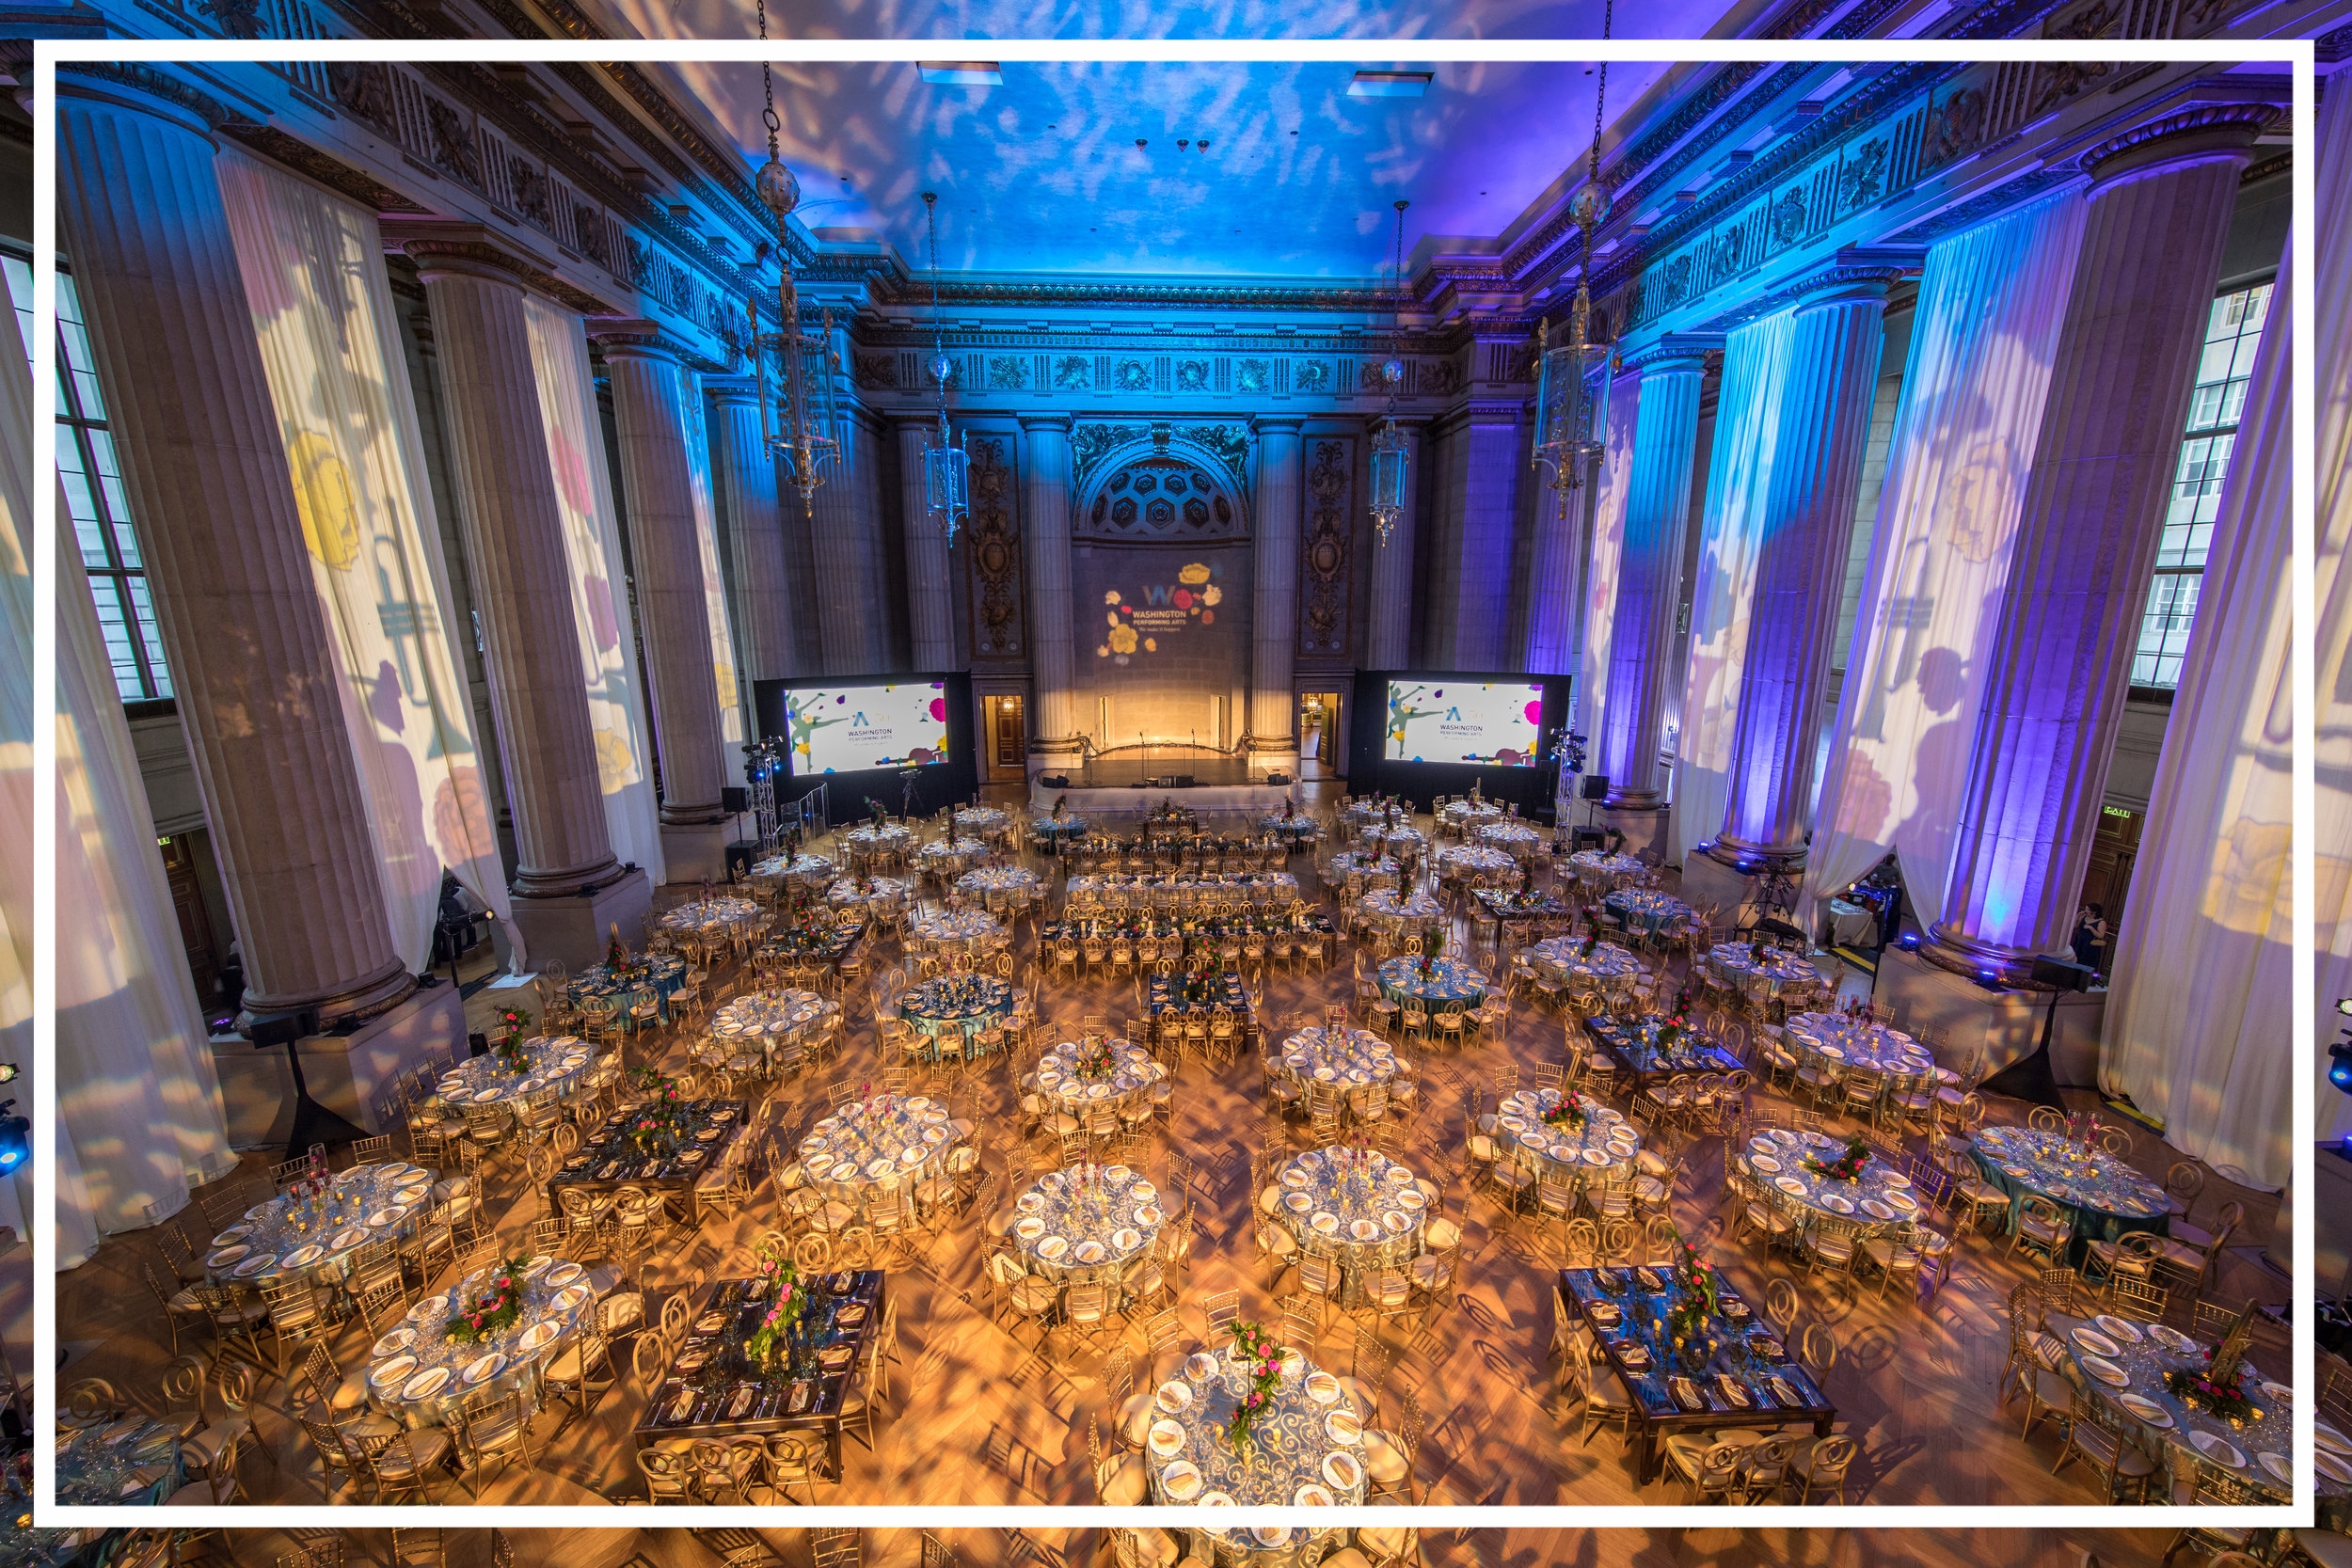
x=1323, y=1388
x=1127, y=1239
x=1782, y=1136
x=1147, y=1214
x=1363, y=1230
x=1877, y=1210
x=813, y=1144
x=1143, y=1192
x=1165, y=1438
x=2174, y=1339
x=393, y=1370
x=2146, y=1409
x=1894, y=1178
x=1397, y=1221
x=383, y=1217
x=1764, y=1162
x=1173, y=1397
x=255, y=1264
x=2118, y=1329
x=226, y=1257
x=1326, y=1223
x=1837, y=1203
x=536, y=1336
x=1903, y=1201
x=1760, y=1145
x=2331, y=1440
x=568, y=1298
x=484, y=1368
x=1291, y=1175
x=1789, y=1184
x=2275, y=1466
x=425, y=1384
x=563, y=1274
x=1029, y=1228
x=1181, y=1481
x=2219, y=1449
x=2091, y=1340
x=1271, y=1535
x=1053, y=1248
x=1597, y=1157
x=1088, y=1252
x=2107, y=1371
x=2329, y=1465
x=234, y=1234
x=2279, y=1393
x=877, y=1169
x=1311, y=1496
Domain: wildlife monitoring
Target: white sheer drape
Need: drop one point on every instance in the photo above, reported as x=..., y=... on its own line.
x=1747, y=414
x=592, y=541
x=1991, y=301
x=1621, y=412
x=323, y=311
x=693, y=414
x=2332, y=641
x=138, y=1102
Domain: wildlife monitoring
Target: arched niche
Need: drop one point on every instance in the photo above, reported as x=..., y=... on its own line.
x=1161, y=489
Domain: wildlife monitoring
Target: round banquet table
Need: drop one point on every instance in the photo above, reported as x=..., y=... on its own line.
x=657, y=975
x=970, y=931
x=1473, y=811
x=1131, y=1078
x=1376, y=870
x=558, y=1067
x=133, y=1462
x=1515, y=838
x=1015, y=883
x=1371, y=811
x=320, y=1238
x=748, y=1030
x=418, y=1375
x=1305, y=1437
x=1479, y=865
x=1293, y=829
x=1447, y=980
x=1088, y=1223
x=1876, y=1202
x=1402, y=842
x=1394, y=910
x=1356, y=1207
x=2122, y=1364
x=2103, y=1197
x=1736, y=967
x=711, y=917
x=983, y=820
x=798, y=872
x=944, y=859
x=1648, y=911
x=1058, y=829
x=1603, y=1147
x=1850, y=1045
x=1613, y=966
x=1595, y=867
x=875, y=895
x=966, y=1003
x=1854, y=926
x=1350, y=1060
x=863, y=844
x=870, y=1148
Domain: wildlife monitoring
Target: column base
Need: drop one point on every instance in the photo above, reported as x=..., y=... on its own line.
x=695, y=852
x=572, y=929
x=1644, y=827
x=1732, y=891
x=1955, y=954
x=352, y=1075
x=2005, y=1026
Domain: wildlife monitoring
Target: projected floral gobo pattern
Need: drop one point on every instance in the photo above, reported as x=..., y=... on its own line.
x=1136, y=623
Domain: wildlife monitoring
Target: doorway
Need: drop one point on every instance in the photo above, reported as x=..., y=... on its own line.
x=1319, y=734
x=188, y=905
x=1008, y=736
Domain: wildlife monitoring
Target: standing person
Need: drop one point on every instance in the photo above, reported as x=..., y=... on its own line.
x=2091, y=937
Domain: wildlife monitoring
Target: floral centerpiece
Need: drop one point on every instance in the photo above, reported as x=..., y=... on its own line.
x=1847, y=1166
x=1094, y=1059
x=1062, y=804
x=779, y=1279
x=1261, y=1359
x=2221, y=1393
x=1570, y=1113
x=875, y=814
x=616, y=951
x=511, y=1024
x=653, y=1126
x=492, y=1309
x=1696, y=1303
x=1591, y=940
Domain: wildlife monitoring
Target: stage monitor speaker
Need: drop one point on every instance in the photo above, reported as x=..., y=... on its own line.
x=2061, y=974
x=1053, y=781
x=742, y=852
x=1588, y=838
x=1277, y=779
x=1596, y=787
x=1183, y=780
x=733, y=799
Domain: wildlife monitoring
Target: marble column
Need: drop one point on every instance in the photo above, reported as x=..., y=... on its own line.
x=1045, y=501
x=845, y=545
x=1650, y=569
x=1271, y=742
x=1389, y=615
x=139, y=212
x=673, y=609
x=2159, y=211
x=567, y=885
x=931, y=621
x=1552, y=575
x=1479, y=464
x=1808, y=522
x=744, y=472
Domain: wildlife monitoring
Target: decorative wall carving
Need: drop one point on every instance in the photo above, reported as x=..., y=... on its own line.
x=1955, y=128
x=991, y=543
x=1090, y=443
x=451, y=144
x=1325, y=586
x=1072, y=374
x=1312, y=376
x=1007, y=371
x=365, y=89
x=1133, y=376
x=1436, y=377
x=1859, y=177
x=1231, y=443
x=1192, y=376
x=531, y=190
x=1252, y=375
x=878, y=371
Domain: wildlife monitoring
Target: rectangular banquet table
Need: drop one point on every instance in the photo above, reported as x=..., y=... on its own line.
x=1656, y=1413
x=1695, y=1053
x=1224, y=990
x=715, y=1369
x=606, y=1162
x=838, y=943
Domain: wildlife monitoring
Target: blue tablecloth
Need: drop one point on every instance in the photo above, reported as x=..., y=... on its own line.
x=2102, y=1196
x=661, y=976
x=1448, y=980
x=1646, y=910
x=967, y=1004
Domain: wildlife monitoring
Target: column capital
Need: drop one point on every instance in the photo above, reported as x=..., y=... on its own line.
x=446, y=246
x=1860, y=272
x=1046, y=421
x=129, y=85
x=1264, y=423
x=733, y=391
x=2208, y=131
x=634, y=338
x=1676, y=351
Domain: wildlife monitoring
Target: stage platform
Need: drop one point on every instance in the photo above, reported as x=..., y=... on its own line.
x=1112, y=803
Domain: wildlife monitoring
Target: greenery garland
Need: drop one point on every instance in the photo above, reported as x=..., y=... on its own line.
x=1847, y=1166
x=1264, y=1358
x=493, y=1311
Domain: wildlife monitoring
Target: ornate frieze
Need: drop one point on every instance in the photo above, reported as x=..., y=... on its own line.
x=991, y=545
x=1325, y=588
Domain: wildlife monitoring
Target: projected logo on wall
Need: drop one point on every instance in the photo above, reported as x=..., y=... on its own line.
x=843, y=729
x=1137, y=623
x=1496, y=724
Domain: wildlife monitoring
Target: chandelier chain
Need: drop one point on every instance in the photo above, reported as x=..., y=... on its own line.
x=767, y=81
x=930, y=221
x=1601, y=93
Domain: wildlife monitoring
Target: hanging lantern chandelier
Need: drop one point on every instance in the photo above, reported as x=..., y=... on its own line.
x=1566, y=442
x=1389, y=445
x=947, y=467
x=802, y=422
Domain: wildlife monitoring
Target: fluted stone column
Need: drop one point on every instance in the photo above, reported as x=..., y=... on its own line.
x=567, y=885
x=1046, y=502
x=845, y=543
x=1801, y=563
x=673, y=609
x=745, y=475
x=1480, y=463
x=1389, y=621
x=1650, y=569
x=931, y=621
x=139, y=208
x=1554, y=576
x=2092, y=515
x=1272, y=742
